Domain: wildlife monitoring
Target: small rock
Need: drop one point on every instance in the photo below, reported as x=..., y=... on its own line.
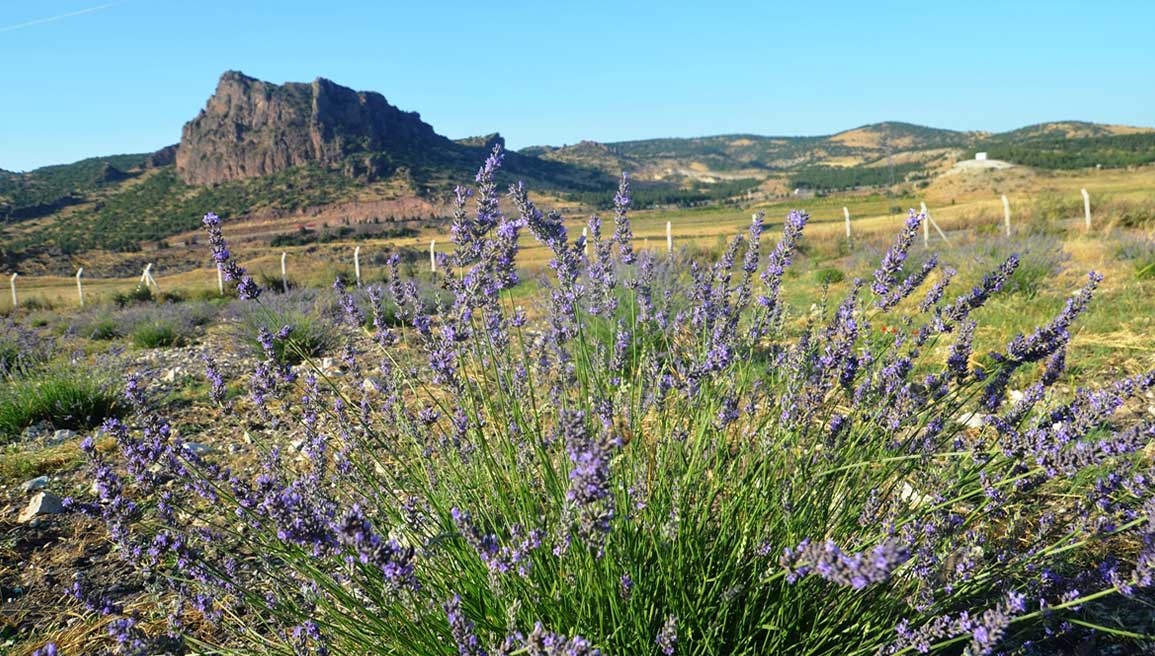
x=371, y=386
x=170, y=376
x=38, y=483
x=974, y=421
x=60, y=437
x=44, y=503
x=326, y=364
x=198, y=449
x=913, y=496
x=34, y=431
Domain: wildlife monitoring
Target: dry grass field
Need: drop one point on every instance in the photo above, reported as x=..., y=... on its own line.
x=965, y=205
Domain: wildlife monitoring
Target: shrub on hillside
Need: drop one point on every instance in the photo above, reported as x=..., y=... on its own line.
x=139, y=294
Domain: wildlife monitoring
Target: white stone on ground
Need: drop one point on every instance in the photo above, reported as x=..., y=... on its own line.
x=44, y=503
x=38, y=483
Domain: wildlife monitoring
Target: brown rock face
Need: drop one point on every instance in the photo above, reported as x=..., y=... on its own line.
x=251, y=128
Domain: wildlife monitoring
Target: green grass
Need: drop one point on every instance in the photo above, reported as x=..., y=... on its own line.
x=23, y=465
x=157, y=334
x=65, y=397
x=103, y=329
x=828, y=275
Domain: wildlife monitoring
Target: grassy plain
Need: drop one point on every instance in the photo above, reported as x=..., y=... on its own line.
x=966, y=206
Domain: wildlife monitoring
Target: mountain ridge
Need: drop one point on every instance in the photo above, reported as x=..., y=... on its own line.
x=263, y=149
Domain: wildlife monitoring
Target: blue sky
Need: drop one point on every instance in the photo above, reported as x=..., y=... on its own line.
x=81, y=79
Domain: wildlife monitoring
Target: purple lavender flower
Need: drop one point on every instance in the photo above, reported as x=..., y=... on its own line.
x=351, y=310
x=246, y=288
x=668, y=635
x=885, y=275
x=909, y=284
x=934, y=294
x=776, y=265
x=622, y=234
x=544, y=643
x=961, y=308
x=216, y=381
x=462, y=630
x=626, y=586
x=856, y=570
x=589, y=491
x=958, y=361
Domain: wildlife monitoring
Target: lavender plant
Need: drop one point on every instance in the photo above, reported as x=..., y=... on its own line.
x=645, y=468
x=22, y=350
x=313, y=327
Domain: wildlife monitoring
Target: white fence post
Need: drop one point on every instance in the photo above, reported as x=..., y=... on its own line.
x=925, y=226
x=80, y=287
x=146, y=278
x=846, y=212
x=15, y=300
x=433, y=255
x=669, y=237
x=1007, y=214
x=357, y=264
x=1086, y=208
x=586, y=241
x=930, y=220
x=220, y=280
x=284, y=273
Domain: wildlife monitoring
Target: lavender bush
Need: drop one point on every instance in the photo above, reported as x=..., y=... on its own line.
x=313, y=327
x=650, y=468
x=22, y=350
x=1042, y=258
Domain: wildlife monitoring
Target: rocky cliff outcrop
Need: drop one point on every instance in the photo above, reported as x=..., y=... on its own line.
x=164, y=157
x=485, y=142
x=251, y=128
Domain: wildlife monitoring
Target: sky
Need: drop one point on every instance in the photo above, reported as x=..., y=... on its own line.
x=82, y=78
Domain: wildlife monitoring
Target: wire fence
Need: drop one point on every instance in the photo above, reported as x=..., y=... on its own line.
x=24, y=289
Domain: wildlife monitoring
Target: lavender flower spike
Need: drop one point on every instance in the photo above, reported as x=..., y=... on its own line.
x=622, y=233
x=668, y=637
x=856, y=570
x=462, y=629
x=246, y=288
x=886, y=274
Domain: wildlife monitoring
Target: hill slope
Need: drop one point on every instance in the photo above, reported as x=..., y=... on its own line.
x=263, y=149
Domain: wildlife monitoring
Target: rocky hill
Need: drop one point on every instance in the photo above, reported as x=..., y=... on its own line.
x=257, y=149
x=251, y=128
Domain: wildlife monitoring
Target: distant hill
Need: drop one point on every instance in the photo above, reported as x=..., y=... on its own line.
x=259, y=148
x=736, y=155
x=1068, y=130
